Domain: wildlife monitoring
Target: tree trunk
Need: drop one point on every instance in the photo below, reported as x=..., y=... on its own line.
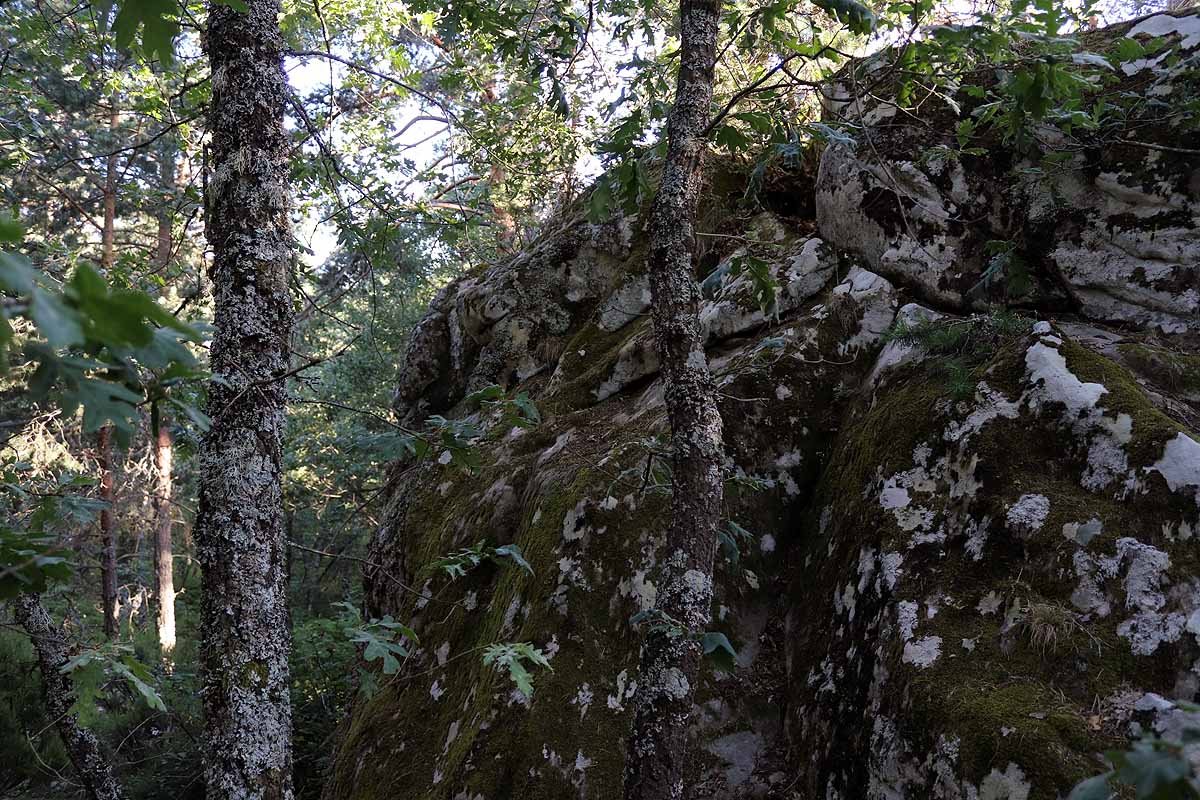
x=81, y=745
x=506, y=236
x=164, y=579
x=108, y=536
x=670, y=663
x=240, y=532
x=107, y=251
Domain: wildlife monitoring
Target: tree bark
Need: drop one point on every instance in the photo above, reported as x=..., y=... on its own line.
x=108, y=536
x=81, y=745
x=670, y=662
x=240, y=534
x=164, y=578
x=506, y=237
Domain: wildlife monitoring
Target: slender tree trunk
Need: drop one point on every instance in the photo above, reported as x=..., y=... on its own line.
x=81, y=745
x=164, y=578
x=669, y=663
x=506, y=238
x=166, y=180
x=108, y=536
x=240, y=526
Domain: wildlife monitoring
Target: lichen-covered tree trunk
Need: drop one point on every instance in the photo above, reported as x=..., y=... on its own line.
x=81, y=745
x=240, y=531
x=669, y=662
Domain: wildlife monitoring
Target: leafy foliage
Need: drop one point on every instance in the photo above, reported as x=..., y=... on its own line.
x=380, y=639
x=116, y=660
x=713, y=644
x=731, y=538
x=1155, y=768
x=961, y=344
x=457, y=564
x=763, y=286
x=511, y=657
x=101, y=349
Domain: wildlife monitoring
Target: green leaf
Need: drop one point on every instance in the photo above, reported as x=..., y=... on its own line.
x=1127, y=50
x=138, y=677
x=493, y=392
x=104, y=401
x=600, y=203
x=11, y=230
x=157, y=21
x=513, y=552
x=58, y=324
x=198, y=418
x=828, y=133
x=509, y=655
x=527, y=408
x=16, y=274
x=1149, y=771
x=717, y=647
x=731, y=139
x=1096, y=788
x=857, y=16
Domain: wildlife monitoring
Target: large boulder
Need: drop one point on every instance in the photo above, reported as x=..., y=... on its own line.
x=973, y=560
x=1107, y=228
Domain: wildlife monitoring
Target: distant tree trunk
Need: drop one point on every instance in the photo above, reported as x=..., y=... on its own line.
x=81, y=745
x=669, y=664
x=164, y=578
x=166, y=180
x=108, y=536
x=240, y=527
x=506, y=238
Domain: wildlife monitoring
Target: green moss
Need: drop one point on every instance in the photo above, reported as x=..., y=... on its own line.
x=1152, y=429
x=1170, y=369
x=587, y=361
x=254, y=675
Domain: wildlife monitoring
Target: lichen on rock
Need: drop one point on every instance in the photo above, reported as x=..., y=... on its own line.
x=952, y=591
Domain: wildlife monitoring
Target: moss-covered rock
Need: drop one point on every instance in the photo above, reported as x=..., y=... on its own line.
x=1006, y=573
x=973, y=560
x=1105, y=226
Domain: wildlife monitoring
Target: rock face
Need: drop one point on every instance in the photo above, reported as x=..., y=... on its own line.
x=1109, y=231
x=973, y=562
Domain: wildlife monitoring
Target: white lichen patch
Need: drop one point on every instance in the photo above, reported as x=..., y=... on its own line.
x=573, y=528
x=583, y=699
x=1145, y=567
x=1010, y=784
x=1082, y=532
x=906, y=612
x=922, y=652
x=1180, y=465
x=1028, y=514
x=989, y=604
x=1053, y=387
